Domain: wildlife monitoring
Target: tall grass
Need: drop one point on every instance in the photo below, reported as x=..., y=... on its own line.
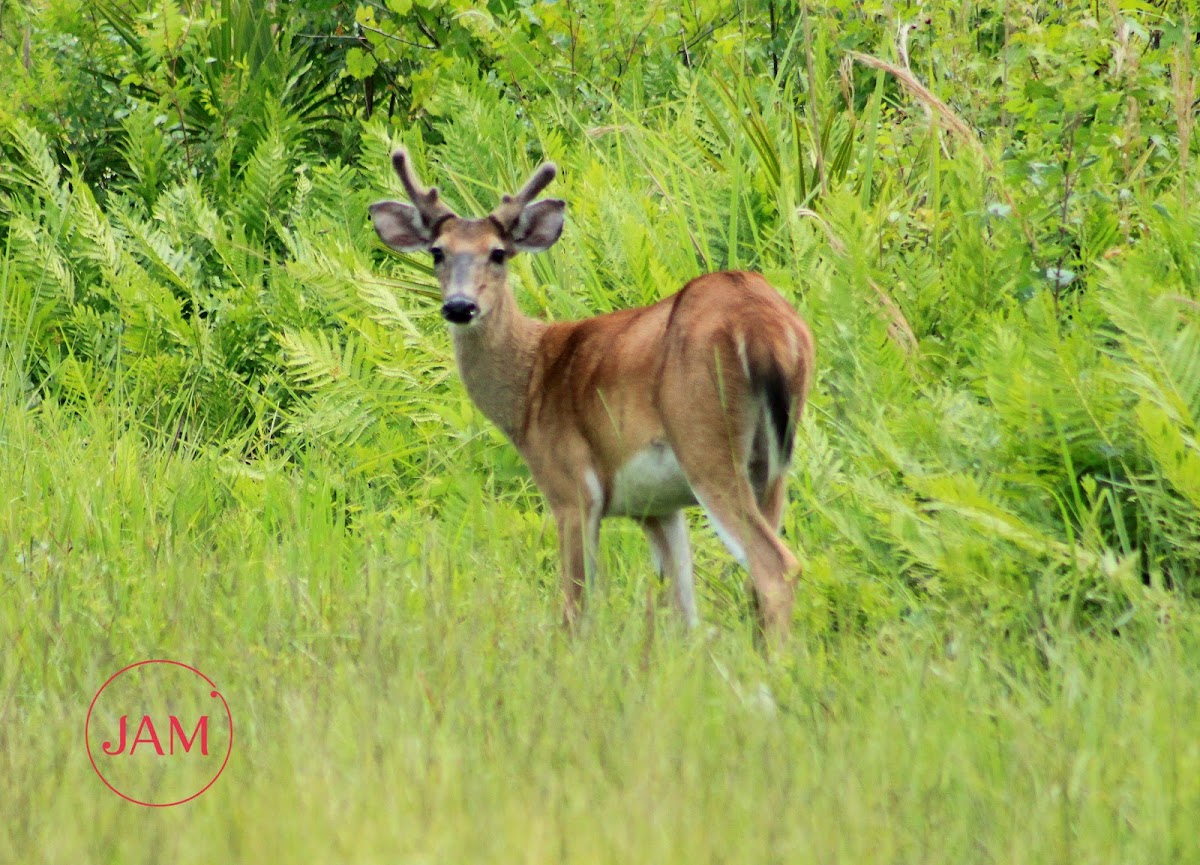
x=231, y=434
x=401, y=691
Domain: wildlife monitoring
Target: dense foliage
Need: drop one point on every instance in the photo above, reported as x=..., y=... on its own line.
x=230, y=430
x=985, y=212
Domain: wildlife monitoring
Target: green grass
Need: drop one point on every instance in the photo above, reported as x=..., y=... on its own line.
x=231, y=433
x=402, y=693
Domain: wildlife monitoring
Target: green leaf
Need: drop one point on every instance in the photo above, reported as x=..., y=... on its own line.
x=360, y=64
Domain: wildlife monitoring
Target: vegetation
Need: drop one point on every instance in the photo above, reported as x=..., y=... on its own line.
x=232, y=434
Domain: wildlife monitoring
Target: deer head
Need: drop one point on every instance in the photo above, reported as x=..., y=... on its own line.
x=470, y=256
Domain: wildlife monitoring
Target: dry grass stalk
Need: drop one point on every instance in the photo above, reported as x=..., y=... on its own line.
x=899, y=329
x=950, y=120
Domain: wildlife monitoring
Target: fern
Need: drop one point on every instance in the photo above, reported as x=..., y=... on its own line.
x=175, y=265
x=34, y=168
x=265, y=184
x=1160, y=340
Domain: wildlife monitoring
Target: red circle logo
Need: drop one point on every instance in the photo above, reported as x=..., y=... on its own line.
x=159, y=733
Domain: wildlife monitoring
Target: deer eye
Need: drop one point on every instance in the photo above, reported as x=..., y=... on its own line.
x=497, y=256
x=438, y=255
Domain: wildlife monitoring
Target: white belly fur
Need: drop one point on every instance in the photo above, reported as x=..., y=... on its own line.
x=650, y=484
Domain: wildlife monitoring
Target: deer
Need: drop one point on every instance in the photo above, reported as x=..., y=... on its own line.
x=637, y=413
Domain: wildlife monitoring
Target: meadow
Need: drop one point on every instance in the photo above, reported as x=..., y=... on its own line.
x=231, y=432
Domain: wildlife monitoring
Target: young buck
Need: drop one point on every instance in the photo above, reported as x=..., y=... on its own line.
x=638, y=413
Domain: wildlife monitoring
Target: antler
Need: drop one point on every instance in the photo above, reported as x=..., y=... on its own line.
x=508, y=211
x=431, y=208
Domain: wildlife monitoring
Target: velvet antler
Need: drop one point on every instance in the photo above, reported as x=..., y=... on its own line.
x=508, y=211
x=431, y=208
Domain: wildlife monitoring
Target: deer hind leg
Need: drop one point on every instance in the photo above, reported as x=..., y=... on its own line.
x=715, y=457
x=772, y=502
x=768, y=474
x=735, y=517
x=672, y=555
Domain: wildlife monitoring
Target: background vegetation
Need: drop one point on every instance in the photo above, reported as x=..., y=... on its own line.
x=230, y=432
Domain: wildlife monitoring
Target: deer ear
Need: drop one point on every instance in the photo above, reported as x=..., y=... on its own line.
x=400, y=226
x=539, y=225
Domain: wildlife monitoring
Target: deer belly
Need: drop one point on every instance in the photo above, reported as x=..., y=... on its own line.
x=650, y=484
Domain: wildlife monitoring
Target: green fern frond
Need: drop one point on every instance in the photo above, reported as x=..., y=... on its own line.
x=318, y=361
x=265, y=184
x=154, y=248
x=1160, y=340
x=40, y=260
x=97, y=239
x=35, y=168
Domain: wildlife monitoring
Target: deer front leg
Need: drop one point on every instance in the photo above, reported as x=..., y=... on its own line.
x=578, y=538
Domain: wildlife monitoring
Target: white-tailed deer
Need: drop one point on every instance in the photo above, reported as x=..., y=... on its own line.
x=638, y=413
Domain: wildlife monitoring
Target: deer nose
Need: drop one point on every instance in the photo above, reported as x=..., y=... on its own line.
x=459, y=309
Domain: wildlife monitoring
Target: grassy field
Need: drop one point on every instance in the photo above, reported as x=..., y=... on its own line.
x=231, y=433
x=402, y=693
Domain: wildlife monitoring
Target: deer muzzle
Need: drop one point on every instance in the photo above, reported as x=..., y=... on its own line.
x=459, y=309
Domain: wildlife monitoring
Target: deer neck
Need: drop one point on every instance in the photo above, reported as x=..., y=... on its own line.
x=495, y=359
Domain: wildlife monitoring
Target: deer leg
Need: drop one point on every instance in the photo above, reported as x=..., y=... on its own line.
x=751, y=540
x=713, y=433
x=578, y=540
x=715, y=462
x=773, y=501
x=672, y=556
x=718, y=470
x=771, y=505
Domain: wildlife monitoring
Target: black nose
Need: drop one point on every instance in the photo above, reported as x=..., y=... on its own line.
x=459, y=310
